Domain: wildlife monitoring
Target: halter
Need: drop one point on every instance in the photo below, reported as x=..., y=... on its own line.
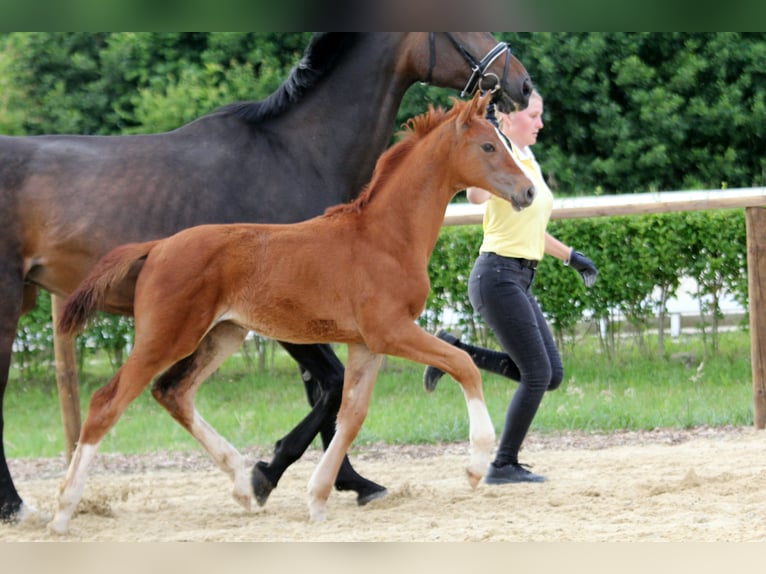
x=479, y=69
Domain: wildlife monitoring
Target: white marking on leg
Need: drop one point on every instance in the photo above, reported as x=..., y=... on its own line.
x=322, y=479
x=226, y=457
x=361, y=372
x=317, y=509
x=73, y=487
x=482, y=440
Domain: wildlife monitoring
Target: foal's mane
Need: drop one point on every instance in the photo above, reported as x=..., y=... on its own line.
x=319, y=59
x=413, y=132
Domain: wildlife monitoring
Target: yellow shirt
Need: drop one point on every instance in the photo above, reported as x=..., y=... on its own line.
x=513, y=233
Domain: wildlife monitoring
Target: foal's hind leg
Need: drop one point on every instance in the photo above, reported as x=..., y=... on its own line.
x=106, y=406
x=323, y=378
x=176, y=388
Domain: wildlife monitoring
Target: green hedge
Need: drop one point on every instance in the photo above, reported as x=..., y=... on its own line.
x=641, y=260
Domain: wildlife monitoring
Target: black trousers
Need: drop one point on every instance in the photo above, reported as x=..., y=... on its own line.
x=499, y=289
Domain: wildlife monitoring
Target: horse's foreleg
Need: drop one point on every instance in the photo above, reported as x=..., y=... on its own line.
x=361, y=372
x=412, y=342
x=106, y=407
x=176, y=389
x=12, y=507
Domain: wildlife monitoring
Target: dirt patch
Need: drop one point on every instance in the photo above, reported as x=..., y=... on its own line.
x=668, y=485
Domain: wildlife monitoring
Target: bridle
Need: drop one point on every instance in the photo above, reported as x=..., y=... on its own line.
x=479, y=69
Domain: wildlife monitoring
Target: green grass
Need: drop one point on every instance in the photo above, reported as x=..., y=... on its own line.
x=634, y=391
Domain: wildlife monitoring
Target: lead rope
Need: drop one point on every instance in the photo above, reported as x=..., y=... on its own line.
x=492, y=118
x=490, y=115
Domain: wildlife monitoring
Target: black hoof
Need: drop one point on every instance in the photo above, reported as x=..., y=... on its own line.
x=366, y=490
x=381, y=492
x=262, y=486
x=10, y=512
x=431, y=376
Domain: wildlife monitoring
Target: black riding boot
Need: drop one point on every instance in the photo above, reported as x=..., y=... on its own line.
x=485, y=359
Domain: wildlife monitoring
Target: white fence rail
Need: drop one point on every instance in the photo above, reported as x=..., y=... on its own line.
x=628, y=204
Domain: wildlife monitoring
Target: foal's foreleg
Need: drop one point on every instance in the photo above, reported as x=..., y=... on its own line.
x=361, y=372
x=412, y=342
x=323, y=377
x=177, y=388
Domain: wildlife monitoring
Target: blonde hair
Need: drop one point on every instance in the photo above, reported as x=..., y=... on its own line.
x=534, y=94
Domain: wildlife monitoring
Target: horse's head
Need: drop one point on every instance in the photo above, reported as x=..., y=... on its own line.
x=484, y=158
x=493, y=68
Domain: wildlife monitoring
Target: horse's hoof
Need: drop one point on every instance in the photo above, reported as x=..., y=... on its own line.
x=262, y=486
x=473, y=477
x=381, y=492
x=366, y=490
x=25, y=514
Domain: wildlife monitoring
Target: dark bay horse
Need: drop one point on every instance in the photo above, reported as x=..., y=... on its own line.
x=356, y=275
x=67, y=200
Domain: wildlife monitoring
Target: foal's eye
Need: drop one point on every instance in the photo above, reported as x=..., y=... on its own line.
x=488, y=147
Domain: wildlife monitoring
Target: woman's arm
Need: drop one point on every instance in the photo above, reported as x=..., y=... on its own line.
x=569, y=256
x=557, y=249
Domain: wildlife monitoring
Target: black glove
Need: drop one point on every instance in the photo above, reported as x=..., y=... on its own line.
x=584, y=267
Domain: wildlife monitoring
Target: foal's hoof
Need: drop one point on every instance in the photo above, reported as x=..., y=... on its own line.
x=262, y=486
x=473, y=477
x=58, y=526
x=243, y=499
x=317, y=512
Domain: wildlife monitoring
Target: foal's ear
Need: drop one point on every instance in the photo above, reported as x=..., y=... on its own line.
x=481, y=103
x=477, y=106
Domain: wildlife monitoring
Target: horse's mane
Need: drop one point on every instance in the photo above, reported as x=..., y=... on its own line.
x=320, y=57
x=412, y=132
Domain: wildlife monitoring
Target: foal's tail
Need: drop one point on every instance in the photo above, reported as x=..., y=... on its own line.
x=91, y=294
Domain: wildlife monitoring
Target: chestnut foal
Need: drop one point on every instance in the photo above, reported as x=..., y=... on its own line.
x=197, y=289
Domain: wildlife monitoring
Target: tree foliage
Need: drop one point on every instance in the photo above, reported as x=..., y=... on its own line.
x=122, y=82
x=630, y=112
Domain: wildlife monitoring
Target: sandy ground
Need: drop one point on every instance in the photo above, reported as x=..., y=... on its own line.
x=701, y=485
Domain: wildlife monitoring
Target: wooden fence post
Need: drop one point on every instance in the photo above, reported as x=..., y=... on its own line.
x=756, y=265
x=66, y=380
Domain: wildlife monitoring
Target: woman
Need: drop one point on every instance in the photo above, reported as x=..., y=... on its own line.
x=499, y=289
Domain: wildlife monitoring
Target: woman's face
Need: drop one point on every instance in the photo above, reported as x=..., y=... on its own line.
x=522, y=127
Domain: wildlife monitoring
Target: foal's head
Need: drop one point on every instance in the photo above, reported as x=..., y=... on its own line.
x=470, y=153
x=481, y=158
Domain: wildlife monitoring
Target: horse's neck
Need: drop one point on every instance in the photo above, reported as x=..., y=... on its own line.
x=353, y=110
